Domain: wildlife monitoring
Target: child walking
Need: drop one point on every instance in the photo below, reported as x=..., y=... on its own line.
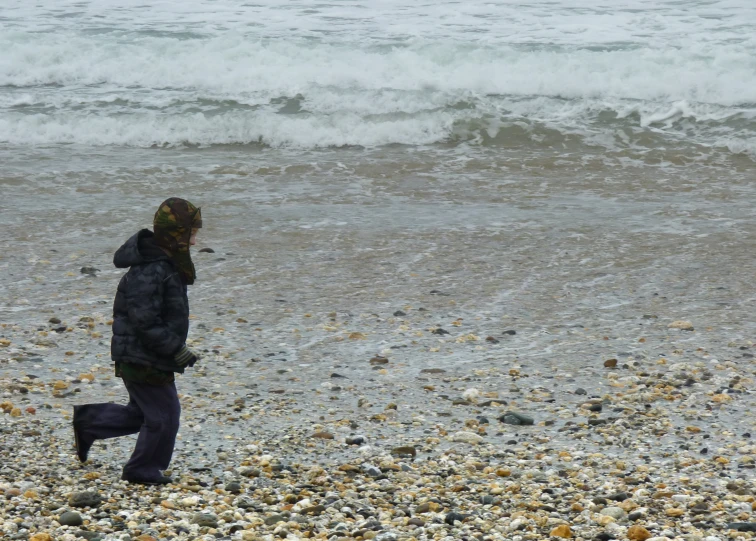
x=150, y=327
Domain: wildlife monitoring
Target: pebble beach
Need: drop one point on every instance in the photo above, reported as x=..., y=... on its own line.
x=469, y=271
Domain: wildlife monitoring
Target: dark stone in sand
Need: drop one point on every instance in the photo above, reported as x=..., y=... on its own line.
x=440, y=331
x=514, y=418
x=54, y=320
x=492, y=340
x=510, y=332
x=70, y=518
x=605, y=536
x=414, y=521
x=84, y=499
x=92, y=271
x=600, y=501
x=432, y=371
x=487, y=499
x=207, y=251
x=234, y=487
x=399, y=313
x=335, y=375
x=235, y=528
x=618, y=497
x=596, y=422
x=482, y=420
x=742, y=526
x=355, y=440
x=635, y=515
x=453, y=517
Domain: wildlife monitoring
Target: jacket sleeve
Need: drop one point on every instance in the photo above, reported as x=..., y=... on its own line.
x=144, y=302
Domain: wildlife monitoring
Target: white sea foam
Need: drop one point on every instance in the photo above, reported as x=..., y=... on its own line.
x=372, y=73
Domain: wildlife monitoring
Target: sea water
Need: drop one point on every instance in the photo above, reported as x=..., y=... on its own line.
x=490, y=147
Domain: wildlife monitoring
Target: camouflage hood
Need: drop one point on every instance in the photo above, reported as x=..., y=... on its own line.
x=173, y=224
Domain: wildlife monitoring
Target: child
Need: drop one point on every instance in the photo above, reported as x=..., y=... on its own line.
x=150, y=326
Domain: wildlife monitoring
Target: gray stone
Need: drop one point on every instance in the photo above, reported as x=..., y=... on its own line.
x=616, y=513
x=742, y=526
x=70, y=518
x=84, y=499
x=234, y=487
x=514, y=418
x=205, y=519
x=273, y=519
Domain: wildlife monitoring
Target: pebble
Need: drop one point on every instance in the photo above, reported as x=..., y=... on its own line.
x=205, y=519
x=514, y=418
x=84, y=499
x=70, y=518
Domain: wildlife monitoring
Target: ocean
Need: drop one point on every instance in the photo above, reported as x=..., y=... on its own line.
x=545, y=140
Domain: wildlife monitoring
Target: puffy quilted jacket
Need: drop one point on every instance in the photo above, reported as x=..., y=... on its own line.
x=151, y=308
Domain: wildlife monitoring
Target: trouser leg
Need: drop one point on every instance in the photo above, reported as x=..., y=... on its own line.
x=160, y=407
x=106, y=420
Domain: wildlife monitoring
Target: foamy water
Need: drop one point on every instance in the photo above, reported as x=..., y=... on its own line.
x=629, y=75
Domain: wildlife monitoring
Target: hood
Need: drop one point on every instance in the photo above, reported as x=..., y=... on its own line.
x=140, y=248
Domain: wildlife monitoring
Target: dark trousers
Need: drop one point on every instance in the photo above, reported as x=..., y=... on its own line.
x=153, y=411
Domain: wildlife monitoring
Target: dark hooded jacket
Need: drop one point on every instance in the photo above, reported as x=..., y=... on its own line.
x=151, y=308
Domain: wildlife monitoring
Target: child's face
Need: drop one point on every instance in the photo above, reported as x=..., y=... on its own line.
x=193, y=238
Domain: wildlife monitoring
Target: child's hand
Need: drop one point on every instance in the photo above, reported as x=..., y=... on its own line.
x=186, y=357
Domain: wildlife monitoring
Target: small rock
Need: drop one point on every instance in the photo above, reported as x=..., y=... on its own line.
x=54, y=321
x=440, y=331
x=618, y=497
x=207, y=251
x=399, y=313
x=513, y=418
x=322, y=435
x=84, y=499
x=742, y=526
x=453, y=517
x=70, y=518
x=249, y=472
x=610, y=363
x=406, y=450
x=467, y=437
x=355, y=440
x=580, y=391
x=234, y=487
x=638, y=533
x=205, y=519
x=273, y=519
x=91, y=271
x=615, y=512
x=378, y=360
x=682, y=325
x=563, y=531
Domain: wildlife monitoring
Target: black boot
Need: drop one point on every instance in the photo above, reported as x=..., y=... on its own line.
x=82, y=446
x=162, y=480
